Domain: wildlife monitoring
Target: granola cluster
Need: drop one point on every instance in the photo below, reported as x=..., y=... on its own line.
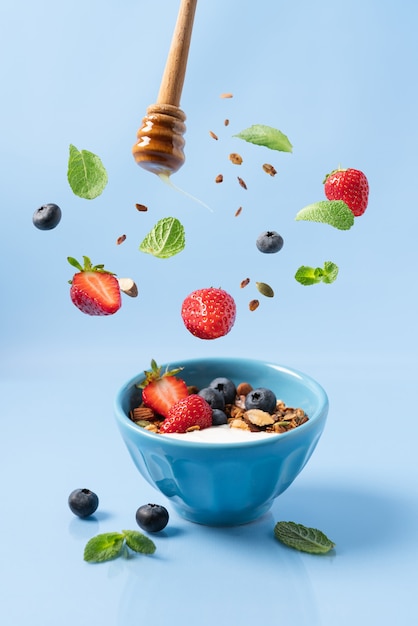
x=283, y=418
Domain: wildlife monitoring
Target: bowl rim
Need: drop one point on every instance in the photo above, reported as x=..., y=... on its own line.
x=323, y=405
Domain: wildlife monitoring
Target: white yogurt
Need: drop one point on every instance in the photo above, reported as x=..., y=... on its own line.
x=220, y=434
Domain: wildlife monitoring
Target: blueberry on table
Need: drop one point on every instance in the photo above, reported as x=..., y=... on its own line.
x=226, y=387
x=152, y=517
x=269, y=242
x=47, y=217
x=262, y=399
x=83, y=502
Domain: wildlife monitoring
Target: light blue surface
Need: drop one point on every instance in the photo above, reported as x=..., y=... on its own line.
x=339, y=80
x=221, y=484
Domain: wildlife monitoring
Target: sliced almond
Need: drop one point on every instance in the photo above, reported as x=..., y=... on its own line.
x=128, y=286
x=259, y=418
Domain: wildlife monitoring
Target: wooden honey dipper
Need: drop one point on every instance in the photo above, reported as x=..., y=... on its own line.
x=160, y=142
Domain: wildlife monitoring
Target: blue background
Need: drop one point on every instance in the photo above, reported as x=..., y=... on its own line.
x=340, y=81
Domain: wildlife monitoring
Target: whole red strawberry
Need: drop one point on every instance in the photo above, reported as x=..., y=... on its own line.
x=209, y=313
x=161, y=390
x=348, y=185
x=186, y=413
x=94, y=290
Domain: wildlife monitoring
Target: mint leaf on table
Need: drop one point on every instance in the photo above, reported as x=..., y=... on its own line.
x=333, y=212
x=302, y=538
x=103, y=547
x=166, y=238
x=139, y=542
x=108, y=546
x=267, y=136
x=86, y=174
x=306, y=275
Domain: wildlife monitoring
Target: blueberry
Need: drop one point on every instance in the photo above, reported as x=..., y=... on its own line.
x=269, y=242
x=219, y=417
x=47, y=216
x=213, y=397
x=152, y=517
x=261, y=398
x=83, y=502
x=226, y=387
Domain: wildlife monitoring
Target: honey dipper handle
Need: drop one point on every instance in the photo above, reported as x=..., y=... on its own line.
x=175, y=68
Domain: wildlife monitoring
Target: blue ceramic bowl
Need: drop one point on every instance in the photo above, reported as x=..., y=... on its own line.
x=225, y=484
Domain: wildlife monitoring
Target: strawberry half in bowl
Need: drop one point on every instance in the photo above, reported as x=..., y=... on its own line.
x=223, y=475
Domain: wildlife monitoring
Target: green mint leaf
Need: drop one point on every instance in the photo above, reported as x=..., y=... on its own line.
x=307, y=275
x=312, y=275
x=333, y=212
x=103, y=547
x=166, y=239
x=139, y=542
x=267, y=136
x=302, y=538
x=330, y=272
x=86, y=173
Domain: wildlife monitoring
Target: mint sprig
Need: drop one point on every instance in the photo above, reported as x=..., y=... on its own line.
x=303, y=538
x=108, y=546
x=166, y=238
x=333, y=212
x=86, y=173
x=267, y=136
x=306, y=275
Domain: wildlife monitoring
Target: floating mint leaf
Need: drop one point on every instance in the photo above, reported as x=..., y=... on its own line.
x=307, y=275
x=267, y=136
x=166, y=239
x=103, y=547
x=330, y=272
x=310, y=276
x=86, y=173
x=333, y=212
x=302, y=538
x=139, y=542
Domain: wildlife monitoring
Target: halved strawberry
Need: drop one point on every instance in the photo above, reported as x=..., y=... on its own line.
x=186, y=413
x=160, y=391
x=94, y=290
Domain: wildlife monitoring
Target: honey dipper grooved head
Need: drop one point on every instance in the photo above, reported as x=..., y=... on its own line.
x=160, y=142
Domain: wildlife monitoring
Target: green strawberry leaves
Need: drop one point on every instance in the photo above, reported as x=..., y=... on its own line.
x=86, y=173
x=267, y=136
x=333, y=212
x=109, y=546
x=166, y=238
x=302, y=538
x=311, y=276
